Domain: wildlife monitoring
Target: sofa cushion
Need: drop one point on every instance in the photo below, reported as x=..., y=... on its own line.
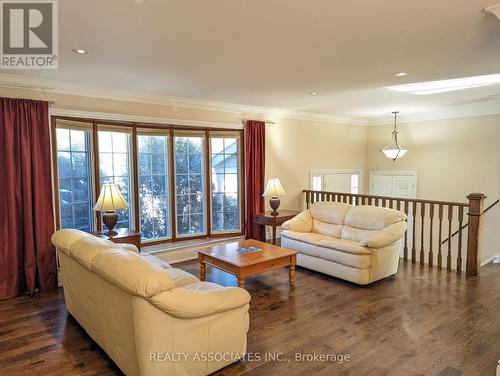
x=360, y=261
x=343, y=245
x=85, y=249
x=300, y=246
x=356, y=234
x=330, y=212
x=306, y=237
x=129, y=247
x=181, y=277
x=64, y=239
x=324, y=228
x=387, y=236
x=131, y=272
x=200, y=299
x=372, y=217
x=155, y=260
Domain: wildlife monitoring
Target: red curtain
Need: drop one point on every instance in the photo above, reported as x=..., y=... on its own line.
x=255, y=153
x=27, y=257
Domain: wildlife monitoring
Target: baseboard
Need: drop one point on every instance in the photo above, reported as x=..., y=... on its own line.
x=173, y=257
x=494, y=259
x=179, y=252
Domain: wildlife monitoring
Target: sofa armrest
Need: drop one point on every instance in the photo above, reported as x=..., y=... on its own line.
x=200, y=299
x=302, y=222
x=387, y=236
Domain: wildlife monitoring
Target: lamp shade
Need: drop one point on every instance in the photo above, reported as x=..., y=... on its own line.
x=274, y=188
x=394, y=153
x=110, y=199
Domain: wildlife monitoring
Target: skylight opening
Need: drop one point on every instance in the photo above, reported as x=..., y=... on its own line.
x=444, y=86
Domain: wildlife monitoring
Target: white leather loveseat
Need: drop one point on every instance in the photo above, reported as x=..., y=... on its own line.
x=150, y=318
x=357, y=243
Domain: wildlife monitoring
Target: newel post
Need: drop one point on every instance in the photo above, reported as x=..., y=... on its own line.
x=474, y=238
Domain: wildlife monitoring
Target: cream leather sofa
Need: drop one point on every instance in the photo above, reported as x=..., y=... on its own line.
x=146, y=315
x=357, y=243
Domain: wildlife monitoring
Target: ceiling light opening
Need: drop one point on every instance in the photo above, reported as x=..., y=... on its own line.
x=401, y=74
x=79, y=51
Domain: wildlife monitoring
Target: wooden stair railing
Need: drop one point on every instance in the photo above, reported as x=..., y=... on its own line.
x=467, y=224
x=416, y=210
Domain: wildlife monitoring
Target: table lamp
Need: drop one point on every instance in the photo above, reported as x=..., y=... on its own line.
x=108, y=202
x=273, y=190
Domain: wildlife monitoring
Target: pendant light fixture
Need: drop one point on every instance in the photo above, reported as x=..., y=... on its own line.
x=394, y=150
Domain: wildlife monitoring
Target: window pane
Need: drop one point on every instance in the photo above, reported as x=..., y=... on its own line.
x=317, y=183
x=189, y=185
x=225, y=184
x=114, y=167
x=75, y=182
x=153, y=182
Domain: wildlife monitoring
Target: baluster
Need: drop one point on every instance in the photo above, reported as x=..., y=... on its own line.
x=398, y=205
x=431, y=216
x=384, y=202
x=440, y=256
x=450, y=219
x=307, y=199
x=422, y=227
x=460, y=230
x=413, y=249
x=405, y=249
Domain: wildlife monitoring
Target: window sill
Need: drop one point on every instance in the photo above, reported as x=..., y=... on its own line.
x=185, y=250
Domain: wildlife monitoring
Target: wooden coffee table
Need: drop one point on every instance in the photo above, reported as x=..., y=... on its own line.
x=227, y=257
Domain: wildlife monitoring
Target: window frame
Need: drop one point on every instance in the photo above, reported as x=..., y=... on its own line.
x=204, y=172
x=55, y=168
x=169, y=130
x=163, y=133
x=132, y=167
x=240, y=177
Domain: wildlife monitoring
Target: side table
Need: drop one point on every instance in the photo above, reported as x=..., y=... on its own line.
x=266, y=219
x=124, y=235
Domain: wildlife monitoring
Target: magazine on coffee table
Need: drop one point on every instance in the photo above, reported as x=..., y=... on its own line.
x=251, y=249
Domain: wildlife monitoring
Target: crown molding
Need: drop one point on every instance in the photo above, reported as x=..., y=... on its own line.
x=141, y=119
x=48, y=87
x=445, y=114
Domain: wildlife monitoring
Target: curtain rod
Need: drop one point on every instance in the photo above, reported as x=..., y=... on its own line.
x=265, y=121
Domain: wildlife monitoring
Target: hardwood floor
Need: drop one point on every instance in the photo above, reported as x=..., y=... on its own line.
x=419, y=323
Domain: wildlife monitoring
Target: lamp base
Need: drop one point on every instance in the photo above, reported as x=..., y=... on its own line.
x=274, y=202
x=110, y=219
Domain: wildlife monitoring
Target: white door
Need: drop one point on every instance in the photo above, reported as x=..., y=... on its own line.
x=343, y=181
x=393, y=184
x=337, y=183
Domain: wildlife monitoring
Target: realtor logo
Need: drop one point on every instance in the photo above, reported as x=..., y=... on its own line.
x=29, y=34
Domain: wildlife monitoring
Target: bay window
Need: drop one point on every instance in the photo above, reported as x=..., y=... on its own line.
x=179, y=183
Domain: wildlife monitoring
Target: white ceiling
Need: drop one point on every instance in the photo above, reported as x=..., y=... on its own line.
x=274, y=53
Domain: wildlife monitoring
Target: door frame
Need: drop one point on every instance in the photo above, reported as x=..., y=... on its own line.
x=393, y=173
x=358, y=171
